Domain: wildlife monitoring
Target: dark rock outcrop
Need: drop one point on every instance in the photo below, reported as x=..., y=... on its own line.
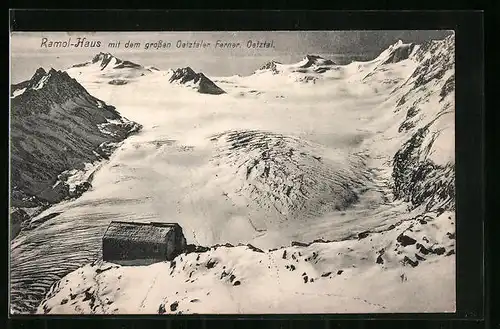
x=406, y=240
x=118, y=82
x=316, y=60
x=417, y=178
x=203, y=84
x=408, y=260
x=270, y=66
x=18, y=218
x=422, y=181
x=400, y=53
x=103, y=59
x=56, y=125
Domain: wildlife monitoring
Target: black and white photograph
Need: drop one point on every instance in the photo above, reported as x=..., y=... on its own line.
x=243, y=172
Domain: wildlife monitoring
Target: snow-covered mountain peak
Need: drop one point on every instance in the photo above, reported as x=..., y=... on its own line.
x=316, y=60
x=184, y=73
x=398, y=43
x=38, y=74
x=271, y=65
x=397, y=52
x=309, y=64
x=108, y=61
x=53, y=85
x=108, y=66
x=102, y=56
x=187, y=76
x=52, y=106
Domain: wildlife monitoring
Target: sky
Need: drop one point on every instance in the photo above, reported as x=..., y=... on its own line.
x=28, y=54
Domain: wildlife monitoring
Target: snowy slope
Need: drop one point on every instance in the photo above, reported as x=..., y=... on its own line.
x=274, y=159
x=392, y=271
x=421, y=134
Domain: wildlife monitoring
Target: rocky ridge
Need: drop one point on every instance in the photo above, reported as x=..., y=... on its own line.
x=187, y=76
x=58, y=130
x=424, y=172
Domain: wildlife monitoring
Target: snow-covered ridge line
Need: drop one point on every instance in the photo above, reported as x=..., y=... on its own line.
x=198, y=81
x=108, y=61
x=424, y=166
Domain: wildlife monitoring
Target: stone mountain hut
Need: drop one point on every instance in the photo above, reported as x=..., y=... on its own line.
x=132, y=243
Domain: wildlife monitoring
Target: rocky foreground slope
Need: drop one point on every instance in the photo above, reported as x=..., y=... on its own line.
x=59, y=134
x=406, y=267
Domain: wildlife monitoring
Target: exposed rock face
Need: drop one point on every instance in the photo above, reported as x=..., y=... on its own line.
x=39, y=73
x=270, y=66
x=316, y=60
x=118, y=82
x=418, y=177
x=202, y=84
x=110, y=67
x=309, y=64
x=104, y=59
x=422, y=181
x=56, y=126
x=17, y=218
x=401, y=53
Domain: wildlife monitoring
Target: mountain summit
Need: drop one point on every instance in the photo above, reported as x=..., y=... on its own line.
x=399, y=52
x=316, y=60
x=309, y=64
x=105, y=65
x=107, y=60
x=42, y=90
x=187, y=76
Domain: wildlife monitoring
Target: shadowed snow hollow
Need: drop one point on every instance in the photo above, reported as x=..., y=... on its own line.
x=109, y=67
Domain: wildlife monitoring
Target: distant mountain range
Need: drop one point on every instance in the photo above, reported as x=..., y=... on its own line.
x=121, y=72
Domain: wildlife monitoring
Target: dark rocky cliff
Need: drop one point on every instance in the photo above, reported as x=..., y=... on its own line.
x=56, y=126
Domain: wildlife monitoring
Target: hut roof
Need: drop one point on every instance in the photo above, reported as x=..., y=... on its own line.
x=140, y=232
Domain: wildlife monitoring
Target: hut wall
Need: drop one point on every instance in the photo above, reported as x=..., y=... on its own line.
x=180, y=240
x=117, y=249
x=170, y=244
x=176, y=242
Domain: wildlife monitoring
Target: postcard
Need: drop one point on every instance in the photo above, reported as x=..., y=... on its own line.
x=277, y=172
